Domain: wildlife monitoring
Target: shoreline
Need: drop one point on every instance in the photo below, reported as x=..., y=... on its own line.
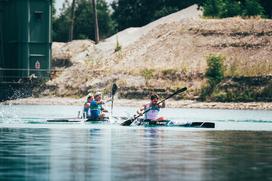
x=137, y=103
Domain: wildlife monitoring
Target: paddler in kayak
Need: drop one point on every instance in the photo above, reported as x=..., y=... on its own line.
x=154, y=109
x=97, y=110
x=87, y=105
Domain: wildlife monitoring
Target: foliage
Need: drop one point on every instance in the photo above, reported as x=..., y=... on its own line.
x=245, y=89
x=215, y=71
x=252, y=8
x=214, y=74
x=118, y=47
x=230, y=8
x=267, y=5
x=136, y=13
x=53, y=7
x=84, y=21
x=242, y=94
x=164, y=11
x=148, y=73
x=171, y=72
x=212, y=8
x=267, y=93
x=246, y=95
x=60, y=27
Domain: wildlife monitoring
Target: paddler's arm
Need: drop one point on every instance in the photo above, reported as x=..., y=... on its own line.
x=86, y=105
x=104, y=102
x=141, y=110
x=100, y=102
x=162, y=105
x=104, y=110
x=108, y=99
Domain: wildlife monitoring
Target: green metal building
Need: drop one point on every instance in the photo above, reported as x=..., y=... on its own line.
x=25, y=39
x=25, y=45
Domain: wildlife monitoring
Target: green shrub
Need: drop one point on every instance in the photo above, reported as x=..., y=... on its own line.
x=215, y=71
x=266, y=93
x=246, y=95
x=118, y=47
x=170, y=74
x=206, y=91
x=147, y=73
x=214, y=74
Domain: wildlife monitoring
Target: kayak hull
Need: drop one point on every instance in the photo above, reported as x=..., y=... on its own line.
x=169, y=123
x=140, y=122
x=74, y=120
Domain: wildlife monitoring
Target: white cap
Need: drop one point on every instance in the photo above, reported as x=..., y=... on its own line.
x=98, y=94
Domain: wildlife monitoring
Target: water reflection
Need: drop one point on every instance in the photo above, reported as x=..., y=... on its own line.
x=18, y=161
x=240, y=155
x=118, y=153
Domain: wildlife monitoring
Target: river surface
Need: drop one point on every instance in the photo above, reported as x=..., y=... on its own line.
x=238, y=148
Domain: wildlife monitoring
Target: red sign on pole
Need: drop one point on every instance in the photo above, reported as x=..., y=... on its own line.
x=37, y=65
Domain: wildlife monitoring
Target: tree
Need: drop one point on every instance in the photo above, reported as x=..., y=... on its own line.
x=60, y=24
x=53, y=7
x=212, y=8
x=136, y=13
x=83, y=21
x=252, y=8
x=222, y=8
x=230, y=8
x=267, y=5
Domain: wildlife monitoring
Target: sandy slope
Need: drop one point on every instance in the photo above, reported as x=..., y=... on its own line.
x=131, y=35
x=168, y=53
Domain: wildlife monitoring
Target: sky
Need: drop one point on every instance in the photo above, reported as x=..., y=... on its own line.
x=59, y=4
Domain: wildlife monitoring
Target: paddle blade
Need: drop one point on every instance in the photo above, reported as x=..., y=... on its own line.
x=175, y=93
x=113, y=92
x=114, y=89
x=203, y=124
x=181, y=90
x=127, y=122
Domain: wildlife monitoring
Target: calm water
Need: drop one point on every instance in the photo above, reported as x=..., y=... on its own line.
x=239, y=148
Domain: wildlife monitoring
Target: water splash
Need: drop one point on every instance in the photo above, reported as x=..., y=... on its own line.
x=8, y=114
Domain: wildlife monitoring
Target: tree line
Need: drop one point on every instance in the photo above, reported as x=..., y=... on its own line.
x=76, y=19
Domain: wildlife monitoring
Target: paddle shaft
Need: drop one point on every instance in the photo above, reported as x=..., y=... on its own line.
x=175, y=93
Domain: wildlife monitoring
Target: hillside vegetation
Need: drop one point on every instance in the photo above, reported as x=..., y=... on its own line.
x=169, y=53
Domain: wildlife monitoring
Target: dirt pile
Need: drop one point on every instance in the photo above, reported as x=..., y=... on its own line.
x=168, y=53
